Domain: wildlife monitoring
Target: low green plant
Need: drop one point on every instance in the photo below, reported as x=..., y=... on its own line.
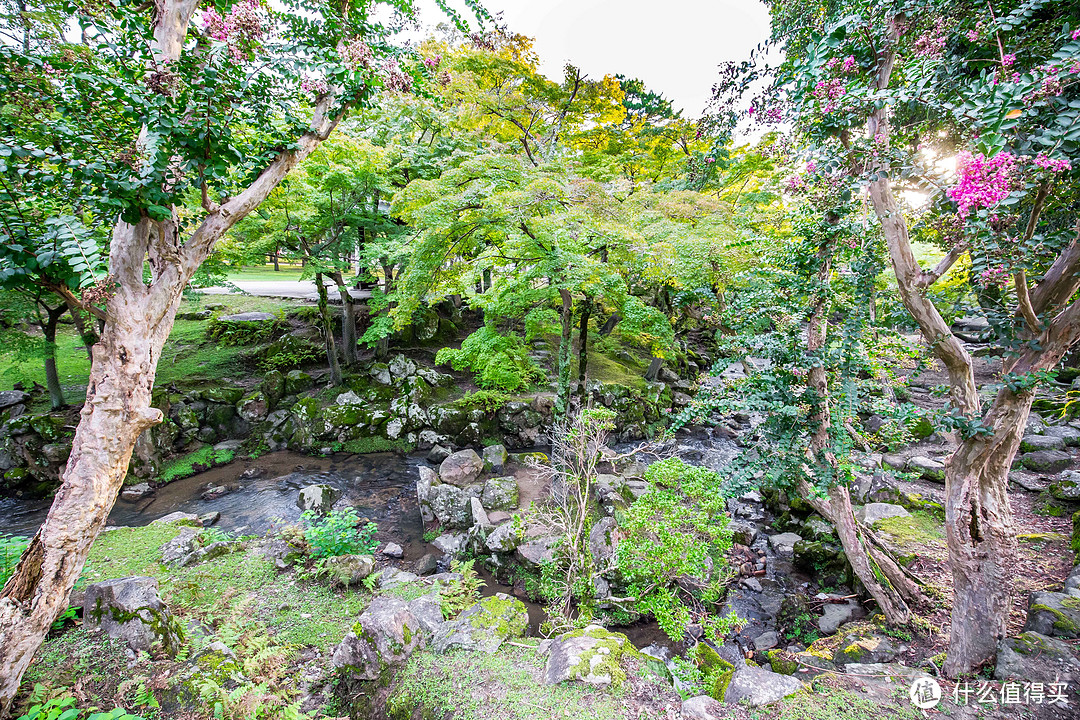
x=674, y=544
x=194, y=462
x=11, y=549
x=375, y=444
x=487, y=400
x=227, y=332
x=64, y=709
x=289, y=353
x=501, y=362
x=803, y=629
x=430, y=535
x=460, y=594
x=338, y=533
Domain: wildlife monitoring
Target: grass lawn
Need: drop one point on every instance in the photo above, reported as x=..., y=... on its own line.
x=266, y=272
x=186, y=359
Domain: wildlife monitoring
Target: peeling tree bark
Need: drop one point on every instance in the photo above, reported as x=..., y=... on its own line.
x=980, y=532
x=138, y=319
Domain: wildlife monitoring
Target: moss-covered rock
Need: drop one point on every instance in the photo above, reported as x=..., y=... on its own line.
x=716, y=670
x=782, y=661
x=484, y=626
x=593, y=655
x=1054, y=614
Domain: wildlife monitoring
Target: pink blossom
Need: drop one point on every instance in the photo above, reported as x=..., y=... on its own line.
x=433, y=61
x=850, y=64
x=1008, y=59
x=751, y=111
x=1052, y=164
x=313, y=85
x=932, y=42
x=811, y=167
x=973, y=35
x=241, y=29
x=394, y=78
x=773, y=114
x=1076, y=33
x=982, y=182
x=357, y=54
x=994, y=277
x=710, y=160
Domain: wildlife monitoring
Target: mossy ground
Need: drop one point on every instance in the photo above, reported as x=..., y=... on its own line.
x=194, y=462
x=830, y=700
x=502, y=686
x=295, y=611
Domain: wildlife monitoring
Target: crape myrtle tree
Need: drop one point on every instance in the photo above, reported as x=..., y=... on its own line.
x=180, y=119
x=882, y=95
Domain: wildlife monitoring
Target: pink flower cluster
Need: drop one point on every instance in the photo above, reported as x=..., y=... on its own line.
x=932, y=42
x=1008, y=59
x=357, y=54
x=973, y=35
x=983, y=182
x=829, y=91
x=313, y=85
x=394, y=78
x=1052, y=164
x=241, y=29
x=994, y=277
x=432, y=62
x=1076, y=34
x=850, y=64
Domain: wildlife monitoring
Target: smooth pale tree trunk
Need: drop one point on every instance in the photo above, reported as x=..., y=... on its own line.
x=52, y=377
x=137, y=320
x=328, y=331
x=348, y=320
x=979, y=528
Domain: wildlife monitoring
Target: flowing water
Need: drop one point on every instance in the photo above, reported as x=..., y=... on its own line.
x=382, y=488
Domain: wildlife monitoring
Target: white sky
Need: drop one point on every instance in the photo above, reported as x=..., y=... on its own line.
x=673, y=45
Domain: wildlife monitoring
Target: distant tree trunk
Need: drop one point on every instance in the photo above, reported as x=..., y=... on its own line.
x=277, y=250
x=889, y=586
x=382, y=348
x=89, y=337
x=52, y=378
x=562, y=400
x=348, y=320
x=583, y=347
x=328, y=331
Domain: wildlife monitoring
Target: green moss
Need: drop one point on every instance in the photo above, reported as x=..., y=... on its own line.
x=716, y=670
x=919, y=529
x=376, y=444
x=835, y=703
x=195, y=462
x=439, y=686
x=782, y=662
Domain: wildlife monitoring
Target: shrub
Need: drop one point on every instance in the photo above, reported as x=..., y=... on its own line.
x=289, y=353
x=11, y=549
x=501, y=362
x=225, y=332
x=674, y=543
x=487, y=400
x=462, y=594
x=339, y=533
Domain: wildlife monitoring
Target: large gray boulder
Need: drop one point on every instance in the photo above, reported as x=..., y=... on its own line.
x=873, y=512
x=484, y=626
x=462, y=468
x=132, y=610
x=348, y=570
x=784, y=543
x=502, y=539
x=317, y=498
x=174, y=551
x=537, y=552
x=1031, y=443
x=1033, y=657
x=926, y=468
x=428, y=479
x=388, y=633
x=754, y=686
x=496, y=456
x=602, y=541
x=1054, y=614
x=1046, y=461
x=451, y=506
x=703, y=707
x=1069, y=435
x=500, y=493
x=592, y=655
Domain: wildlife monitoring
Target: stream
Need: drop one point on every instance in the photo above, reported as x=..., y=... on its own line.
x=380, y=486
